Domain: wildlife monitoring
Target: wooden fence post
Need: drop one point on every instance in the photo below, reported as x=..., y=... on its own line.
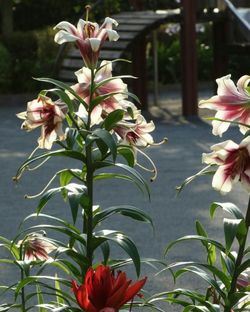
x=189, y=58
x=140, y=70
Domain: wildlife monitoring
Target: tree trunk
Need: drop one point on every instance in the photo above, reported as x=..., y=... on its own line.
x=7, y=17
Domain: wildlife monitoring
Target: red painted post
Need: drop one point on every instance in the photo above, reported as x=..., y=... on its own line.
x=189, y=59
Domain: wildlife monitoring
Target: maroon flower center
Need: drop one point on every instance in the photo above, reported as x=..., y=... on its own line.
x=132, y=136
x=89, y=30
x=238, y=161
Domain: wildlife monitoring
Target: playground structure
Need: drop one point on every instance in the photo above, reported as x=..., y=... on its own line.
x=134, y=27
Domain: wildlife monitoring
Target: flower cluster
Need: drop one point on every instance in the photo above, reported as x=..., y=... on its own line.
x=232, y=104
x=93, y=83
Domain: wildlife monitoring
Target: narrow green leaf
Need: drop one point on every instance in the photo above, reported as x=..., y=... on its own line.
x=125, y=243
x=128, y=154
x=106, y=252
x=64, y=97
x=196, y=237
x=200, y=229
x=227, y=263
x=126, y=210
x=230, y=231
x=62, y=152
x=64, y=86
x=193, y=266
x=211, y=251
x=137, y=175
x=245, y=265
x=108, y=139
x=74, y=192
x=59, y=298
x=204, y=276
x=227, y=207
x=46, y=197
x=40, y=298
x=242, y=232
x=71, y=137
x=61, y=229
x=112, y=119
x=104, y=176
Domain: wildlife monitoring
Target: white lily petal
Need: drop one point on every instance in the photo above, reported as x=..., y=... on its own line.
x=242, y=85
x=112, y=35
x=95, y=44
x=63, y=36
x=208, y=158
x=219, y=127
x=66, y=26
x=221, y=182
x=80, y=27
x=82, y=113
x=226, y=86
x=83, y=75
x=96, y=115
x=109, y=21
x=228, y=145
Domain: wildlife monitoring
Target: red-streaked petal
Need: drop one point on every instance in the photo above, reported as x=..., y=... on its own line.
x=222, y=181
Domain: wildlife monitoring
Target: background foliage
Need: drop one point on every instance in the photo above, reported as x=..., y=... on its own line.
x=31, y=51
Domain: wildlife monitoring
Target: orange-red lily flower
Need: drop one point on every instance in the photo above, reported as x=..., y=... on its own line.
x=102, y=291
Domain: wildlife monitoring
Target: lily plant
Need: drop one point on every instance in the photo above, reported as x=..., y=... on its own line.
x=225, y=269
x=95, y=124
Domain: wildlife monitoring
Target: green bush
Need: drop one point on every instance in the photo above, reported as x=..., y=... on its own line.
x=169, y=55
x=31, y=54
x=5, y=69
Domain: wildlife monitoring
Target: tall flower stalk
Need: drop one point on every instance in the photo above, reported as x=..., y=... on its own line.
x=91, y=122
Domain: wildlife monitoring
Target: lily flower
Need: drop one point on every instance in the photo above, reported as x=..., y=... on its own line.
x=136, y=134
x=103, y=291
x=116, y=85
x=232, y=103
x=47, y=114
x=36, y=247
x=244, y=279
x=88, y=36
x=234, y=164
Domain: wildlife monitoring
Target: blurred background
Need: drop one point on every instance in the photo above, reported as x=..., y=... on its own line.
x=27, y=47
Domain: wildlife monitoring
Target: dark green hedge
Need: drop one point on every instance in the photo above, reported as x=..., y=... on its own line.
x=25, y=55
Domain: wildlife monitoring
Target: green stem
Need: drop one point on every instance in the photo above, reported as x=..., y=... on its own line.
x=22, y=277
x=88, y=215
x=239, y=258
x=89, y=209
x=23, y=293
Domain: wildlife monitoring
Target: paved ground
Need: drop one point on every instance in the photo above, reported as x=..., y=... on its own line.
x=173, y=216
